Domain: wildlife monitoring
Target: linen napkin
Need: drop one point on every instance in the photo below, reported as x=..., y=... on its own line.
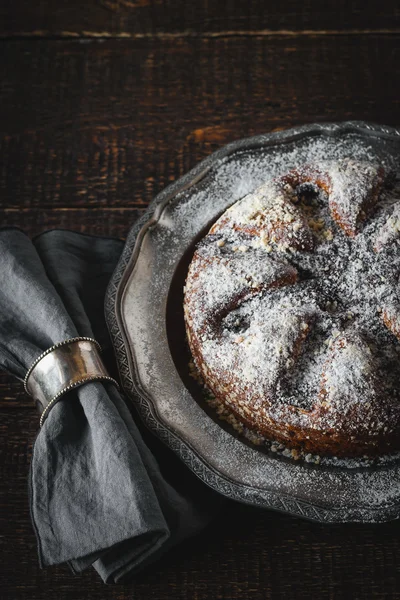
x=98, y=495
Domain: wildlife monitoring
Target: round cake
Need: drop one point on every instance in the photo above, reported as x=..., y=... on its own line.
x=292, y=309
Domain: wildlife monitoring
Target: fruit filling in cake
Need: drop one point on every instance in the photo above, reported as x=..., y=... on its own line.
x=292, y=309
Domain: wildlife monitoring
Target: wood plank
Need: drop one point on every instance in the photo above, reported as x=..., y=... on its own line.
x=92, y=131
x=130, y=17
x=111, y=123
x=112, y=222
x=12, y=394
x=277, y=557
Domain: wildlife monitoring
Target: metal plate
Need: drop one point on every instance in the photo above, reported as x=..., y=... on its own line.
x=144, y=313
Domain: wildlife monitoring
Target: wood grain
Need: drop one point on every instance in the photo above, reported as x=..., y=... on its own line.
x=168, y=17
x=111, y=124
x=246, y=553
x=114, y=222
x=105, y=102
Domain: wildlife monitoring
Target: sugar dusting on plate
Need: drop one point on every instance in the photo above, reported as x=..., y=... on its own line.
x=336, y=299
x=329, y=491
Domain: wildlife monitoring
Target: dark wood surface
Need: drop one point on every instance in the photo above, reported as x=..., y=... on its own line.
x=125, y=18
x=102, y=104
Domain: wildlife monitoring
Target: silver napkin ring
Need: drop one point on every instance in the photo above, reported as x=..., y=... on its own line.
x=61, y=368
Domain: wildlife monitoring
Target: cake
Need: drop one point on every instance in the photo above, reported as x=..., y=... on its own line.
x=292, y=309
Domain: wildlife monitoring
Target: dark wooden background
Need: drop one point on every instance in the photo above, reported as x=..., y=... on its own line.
x=103, y=103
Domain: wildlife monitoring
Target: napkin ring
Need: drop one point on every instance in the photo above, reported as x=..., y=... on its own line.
x=63, y=367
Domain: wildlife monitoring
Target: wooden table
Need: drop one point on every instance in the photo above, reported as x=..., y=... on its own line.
x=103, y=103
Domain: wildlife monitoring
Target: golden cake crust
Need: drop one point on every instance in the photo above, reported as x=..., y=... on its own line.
x=291, y=310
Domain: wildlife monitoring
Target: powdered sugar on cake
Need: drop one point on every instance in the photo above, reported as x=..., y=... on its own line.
x=291, y=305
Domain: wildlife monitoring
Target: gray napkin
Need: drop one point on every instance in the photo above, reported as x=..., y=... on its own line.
x=98, y=495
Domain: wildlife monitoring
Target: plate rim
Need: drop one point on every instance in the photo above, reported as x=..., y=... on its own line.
x=247, y=494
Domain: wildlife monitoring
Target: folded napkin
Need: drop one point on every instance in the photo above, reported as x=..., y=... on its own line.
x=98, y=494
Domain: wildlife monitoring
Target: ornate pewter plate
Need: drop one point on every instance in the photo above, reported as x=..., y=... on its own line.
x=144, y=312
